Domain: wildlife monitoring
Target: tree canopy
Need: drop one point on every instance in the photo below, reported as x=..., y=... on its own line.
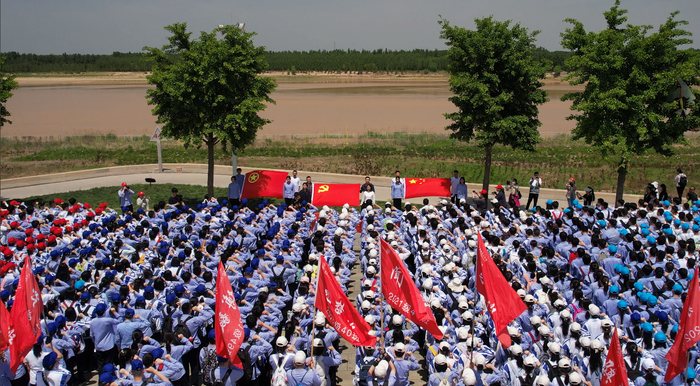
x=496, y=82
x=7, y=84
x=628, y=74
x=212, y=91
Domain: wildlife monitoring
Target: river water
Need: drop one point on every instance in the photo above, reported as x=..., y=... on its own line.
x=333, y=107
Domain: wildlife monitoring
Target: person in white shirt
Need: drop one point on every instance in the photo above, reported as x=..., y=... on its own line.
x=296, y=181
x=454, y=182
x=368, y=194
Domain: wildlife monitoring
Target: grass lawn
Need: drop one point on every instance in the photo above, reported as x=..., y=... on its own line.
x=418, y=155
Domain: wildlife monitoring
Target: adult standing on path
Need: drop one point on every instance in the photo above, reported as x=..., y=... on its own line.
x=125, y=197
x=367, y=183
x=681, y=182
x=234, y=192
x=571, y=192
x=288, y=190
x=535, y=185
x=454, y=182
x=296, y=181
x=398, y=191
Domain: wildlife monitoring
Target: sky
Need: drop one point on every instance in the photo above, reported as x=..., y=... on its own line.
x=105, y=26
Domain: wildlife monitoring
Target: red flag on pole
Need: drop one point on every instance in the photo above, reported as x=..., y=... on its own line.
x=502, y=302
x=424, y=187
x=227, y=320
x=688, y=332
x=402, y=294
x=340, y=313
x=26, y=315
x=335, y=194
x=614, y=371
x=263, y=183
x=7, y=328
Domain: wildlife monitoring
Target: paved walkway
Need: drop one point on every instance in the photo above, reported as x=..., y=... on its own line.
x=196, y=174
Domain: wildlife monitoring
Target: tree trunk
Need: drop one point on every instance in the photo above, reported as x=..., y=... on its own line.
x=210, y=164
x=487, y=168
x=621, y=176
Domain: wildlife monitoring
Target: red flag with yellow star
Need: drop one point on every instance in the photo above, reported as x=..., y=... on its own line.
x=426, y=187
x=335, y=194
x=263, y=183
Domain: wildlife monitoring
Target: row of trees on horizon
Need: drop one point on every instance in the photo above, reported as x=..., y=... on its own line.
x=380, y=60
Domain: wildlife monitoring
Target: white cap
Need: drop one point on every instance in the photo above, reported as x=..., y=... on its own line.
x=543, y=330
x=512, y=331
x=521, y=292
x=564, y=362
x=426, y=269
x=320, y=319
x=400, y=347
x=443, y=242
x=554, y=347
x=396, y=320
x=479, y=359
x=371, y=270
x=594, y=310
x=297, y=307
x=516, y=349
x=425, y=245
x=463, y=305
x=394, y=244
x=367, y=282
x=468, y=232
x=282, y=342
x=390, y=235
x=596, y=344
x=369, y=319
x=575, y=326
x=565, y=314
x=542, y=380
x=529, y=299
x=435, y=303
x=468, y=377
x=440, y=359
x=368, y=294
x=648, y=364
x=373, y=253
x=372, y=261
x=428, y=284
x=606, y=323
x=575, y=378
x=545, y=280
x=318, y=342
x=535, y=320
x=462, y=333
x=529, y=361
x=370, y=227
x=585, y=341
x=559, y=303
x=381, y=369
x=471, y=244
x=444, y=344
x=366, y=305
x=338, y=231
x=299, y=358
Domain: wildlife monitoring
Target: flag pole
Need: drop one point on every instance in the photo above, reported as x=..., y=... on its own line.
x=471, y=327
x=313, y=320
x=381, y=299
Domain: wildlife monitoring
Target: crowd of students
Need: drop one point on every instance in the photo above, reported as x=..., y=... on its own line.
x=131, y=293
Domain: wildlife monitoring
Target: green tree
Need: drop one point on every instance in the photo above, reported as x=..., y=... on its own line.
x=496, y=82
x=7, y=84
x=628, y=73
x=212, y=92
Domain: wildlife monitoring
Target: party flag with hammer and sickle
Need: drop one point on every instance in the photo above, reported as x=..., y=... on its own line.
x=335, y=194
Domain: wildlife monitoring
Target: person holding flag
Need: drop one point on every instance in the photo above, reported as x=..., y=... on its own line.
x=687, y=335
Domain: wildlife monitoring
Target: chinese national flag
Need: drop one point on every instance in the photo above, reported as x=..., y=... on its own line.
x=7, y=329
x=425, y=187
x=26, y=315
x=688, y=331
x=502, y=302
x=263, y=183
x=339, y=312
x=614, y=372
x=402, y=294
x=227, y=320
x=335, y=194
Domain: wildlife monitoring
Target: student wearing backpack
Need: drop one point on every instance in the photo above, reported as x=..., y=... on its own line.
x=139, y=371
x=282, y=361
x=188, y=324
x=681, y=182
x=250, y=353
x=225, y=374
x=323, y=359
x=207, y=359
x=363, y=366
x=442, y=375
x=301, y=375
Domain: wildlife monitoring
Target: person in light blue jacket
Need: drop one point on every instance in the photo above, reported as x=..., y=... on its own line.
x=398, y=191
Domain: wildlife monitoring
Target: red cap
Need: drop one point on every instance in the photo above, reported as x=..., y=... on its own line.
x=14, y=224
x=20, y=244
x=40, y=237
x=484, y=192
x=14, y=203
x=4, y=213
x=58, y=201
x=87, y=205
x=51, y=238
x=499, y=186
x=123, y=184
x=103, y=205
x=69, y=229
x=140, y=193
x=11, y=240
x=28, y=231
x=7, y=252
x=56, y=231
x=30, y=247
x=573, y=179
x=98, y=211
x=41, y=246
x=29, y=240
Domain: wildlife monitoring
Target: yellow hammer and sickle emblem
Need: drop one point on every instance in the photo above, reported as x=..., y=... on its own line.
x=253, y=177
x=322, y=189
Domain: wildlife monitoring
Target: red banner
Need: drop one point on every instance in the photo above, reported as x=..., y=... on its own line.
x=339, y=312
x=426, y=187
x=614, y=372
x=7, y=329
x=227, y=320
x=26, y=315
x=688, y=332
x=335, y=194
x=502, y=302
x=402, y=294
x=263, y=183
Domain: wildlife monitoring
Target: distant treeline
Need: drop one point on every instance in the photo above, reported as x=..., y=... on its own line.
x=381, y=60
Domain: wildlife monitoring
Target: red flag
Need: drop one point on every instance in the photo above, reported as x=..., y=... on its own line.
x=26, y=315
x=227, y=320
x=402, y=294
x=340, y=313
x=424, y=187
x=263, y=183
x=7, y=329
x=614, y=372
x=688, y=332
x=502, y=302
x=335, y=194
